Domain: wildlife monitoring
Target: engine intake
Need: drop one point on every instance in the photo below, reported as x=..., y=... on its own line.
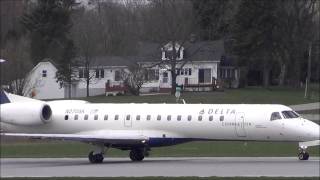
x=26, y=113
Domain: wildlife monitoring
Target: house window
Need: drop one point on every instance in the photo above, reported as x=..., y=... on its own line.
x=105, y=117
x=76, y=117
x=152, y=74
x=159, y=117
x=221, y=118
x=189, y=118
x=99, y=73
x=44, y=73
x=96, y=117
x=148, y=117
x=210, y=118
x=165, y=77
x=117, y=75
x=128, y=117
x=190, y=71
x=116, y=117
x=81, y=73
x=66, y=117
x=169, y=117
x=179, y=117
x=204, y=76
x=86, y=117
x=199, y=118
x=138, y=118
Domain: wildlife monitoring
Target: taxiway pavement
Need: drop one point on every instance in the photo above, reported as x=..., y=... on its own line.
x=171, y=166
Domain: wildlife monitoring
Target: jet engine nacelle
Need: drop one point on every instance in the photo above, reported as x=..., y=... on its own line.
x=26, y=113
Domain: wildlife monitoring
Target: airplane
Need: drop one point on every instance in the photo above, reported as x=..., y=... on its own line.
x=140, y=127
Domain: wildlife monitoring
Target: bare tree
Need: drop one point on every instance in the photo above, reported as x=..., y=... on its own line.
x=86, y=37
x=17, y=66
x=134, y=78
x=170, y=21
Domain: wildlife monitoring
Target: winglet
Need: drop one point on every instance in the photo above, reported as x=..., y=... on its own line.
x=3, y=97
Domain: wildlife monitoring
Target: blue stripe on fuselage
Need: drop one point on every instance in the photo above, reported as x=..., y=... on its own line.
x=157, y=142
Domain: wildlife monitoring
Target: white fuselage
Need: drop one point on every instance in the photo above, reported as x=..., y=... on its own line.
x=169, y=122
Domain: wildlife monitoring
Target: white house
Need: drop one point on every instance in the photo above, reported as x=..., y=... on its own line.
x=41, y=82
x=200, y=71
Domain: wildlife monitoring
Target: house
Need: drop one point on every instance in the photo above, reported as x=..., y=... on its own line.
x=41, y=83
x=197, y=70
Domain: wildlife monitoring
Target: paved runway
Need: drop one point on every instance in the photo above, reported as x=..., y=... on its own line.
x=186, y=166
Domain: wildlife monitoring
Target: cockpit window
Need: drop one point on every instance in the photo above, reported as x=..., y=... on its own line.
x=289, y=114
x=275, y=116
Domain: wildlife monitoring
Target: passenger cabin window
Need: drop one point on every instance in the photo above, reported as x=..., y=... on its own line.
x=169, y=117
x=116, y=117
x=189, y=118
x=95, y=117
x=66, y=117
x=275, y=116
x=138, y=118
x=289, y=114
x=210, y=118
x=159, y=117
x=76, y=117
x=86, y=117
x=179, y=117
x=105, y=117
x=148, y=117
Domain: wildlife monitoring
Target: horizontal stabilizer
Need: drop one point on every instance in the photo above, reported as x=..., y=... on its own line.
x=309, y=143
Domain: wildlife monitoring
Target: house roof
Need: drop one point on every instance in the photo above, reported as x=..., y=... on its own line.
x=151, y=52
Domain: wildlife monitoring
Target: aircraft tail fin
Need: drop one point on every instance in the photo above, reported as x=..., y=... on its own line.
x=3, y=97
x=12, y=98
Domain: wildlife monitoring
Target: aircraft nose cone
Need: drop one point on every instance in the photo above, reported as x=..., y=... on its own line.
x=314, y=131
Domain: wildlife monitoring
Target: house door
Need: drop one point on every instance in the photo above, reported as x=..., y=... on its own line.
x=240, y=125
x=186, y=81
x=204, y=76
x=127, y=121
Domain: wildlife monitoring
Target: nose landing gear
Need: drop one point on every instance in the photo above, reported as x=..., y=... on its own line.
x=303, y=155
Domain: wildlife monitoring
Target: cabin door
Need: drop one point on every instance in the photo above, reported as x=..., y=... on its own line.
x=127, y=121
x=240, y=125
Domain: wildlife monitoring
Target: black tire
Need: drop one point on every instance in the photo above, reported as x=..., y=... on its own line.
x=95, y=158
x=136, y=155
x=303, y=156
x=306, y=156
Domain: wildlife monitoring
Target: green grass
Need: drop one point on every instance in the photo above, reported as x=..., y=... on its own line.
x=172, y=178
x=257, y=95
x=195, y=149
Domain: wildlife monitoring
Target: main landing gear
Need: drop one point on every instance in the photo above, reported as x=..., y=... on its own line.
x=96, y=156
x=303, y=154
x=137, y=154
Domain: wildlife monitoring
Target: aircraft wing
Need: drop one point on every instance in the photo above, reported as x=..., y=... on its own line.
x=116, y=138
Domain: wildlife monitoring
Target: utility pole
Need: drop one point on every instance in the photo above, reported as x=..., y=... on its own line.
x=307, y=88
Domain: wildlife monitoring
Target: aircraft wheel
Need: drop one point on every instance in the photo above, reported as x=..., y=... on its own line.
x=136, y=155
x=95, y=158
x=303, y=156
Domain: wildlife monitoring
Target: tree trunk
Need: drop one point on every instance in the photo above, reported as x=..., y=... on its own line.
x=173, y=81
x=282, y=75
x=87, y=84
x=266, y=74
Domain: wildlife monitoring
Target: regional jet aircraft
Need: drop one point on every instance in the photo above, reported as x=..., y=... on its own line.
x=140, y=127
